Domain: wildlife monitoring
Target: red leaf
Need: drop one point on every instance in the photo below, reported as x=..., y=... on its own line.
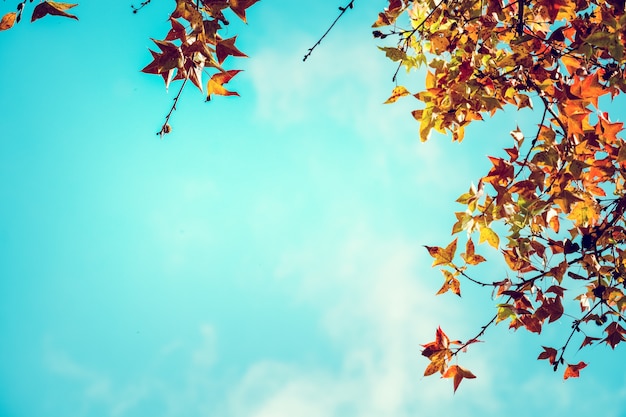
x=588, y=341
x=615, y=334
x=572, y=371
x=548, y=353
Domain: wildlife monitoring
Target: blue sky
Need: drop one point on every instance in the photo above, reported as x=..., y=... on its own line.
x=263, y=260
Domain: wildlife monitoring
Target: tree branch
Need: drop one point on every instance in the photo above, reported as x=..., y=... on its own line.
x=319, y=41
x=166, y=128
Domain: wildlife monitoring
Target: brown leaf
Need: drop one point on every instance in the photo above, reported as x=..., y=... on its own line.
x=53, y=8
x=7, y=21
x=227, y=47
x=548, y=353
x=240, y=6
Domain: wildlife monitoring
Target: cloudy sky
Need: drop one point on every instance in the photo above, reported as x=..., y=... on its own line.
x=266, y=258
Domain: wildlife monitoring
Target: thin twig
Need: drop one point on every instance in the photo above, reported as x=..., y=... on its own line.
x=165, y=129
x=141, y=6
x=412, y=32
x=342, y=11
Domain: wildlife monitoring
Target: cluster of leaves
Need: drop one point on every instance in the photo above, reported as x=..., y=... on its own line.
x=553, y=205
x=192, y=45
x=40, y=10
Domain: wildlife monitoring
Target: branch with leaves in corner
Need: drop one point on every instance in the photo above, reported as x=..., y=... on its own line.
x=192, y=47
x=553, y=205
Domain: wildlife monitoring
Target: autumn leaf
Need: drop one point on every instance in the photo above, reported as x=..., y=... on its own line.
x=450, y=283
x=469, y=256
x=572, y=371
x=240, y=6
x=548, y=353
x=441, y=255
x=227, y=47
x=588, y=341
x=52, y=8
x=458, y=373
x=7, y=21
x=216, y=84
x=397, y=92
x=489, y=236
x=615, y=334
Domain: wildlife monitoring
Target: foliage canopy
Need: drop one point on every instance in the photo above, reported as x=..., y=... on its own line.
x=552, y=204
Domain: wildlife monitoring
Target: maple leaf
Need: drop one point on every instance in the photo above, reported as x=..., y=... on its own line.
x=441, y=255
x=177, y=31
x=588, y=341
x=397, y=92
x=227, y=47
x=166, y=62
x=469, y=256
x=615, y=334
x=548, y=353
x=216, y=84
x=441, y=342
x=489, y=236
x=53, y=8
x=458, y=373
x=450, y=283
x=7, y=21
x=572, y=371
x=240, y=6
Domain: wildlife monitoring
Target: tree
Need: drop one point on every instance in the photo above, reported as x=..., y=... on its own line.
x=553, y=202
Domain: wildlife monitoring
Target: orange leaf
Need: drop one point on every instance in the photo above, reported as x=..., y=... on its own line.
x=572, y=371
x=458, y=373
x=216, y=84
x=469, y=256
x=7, y=21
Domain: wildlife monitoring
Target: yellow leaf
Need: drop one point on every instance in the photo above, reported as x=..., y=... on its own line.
x=397, y=92
x=441, y=255
x=469, y=256
x=583, y=214
x=489, y=236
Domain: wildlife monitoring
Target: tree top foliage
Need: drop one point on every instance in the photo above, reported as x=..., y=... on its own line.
x=552, y=204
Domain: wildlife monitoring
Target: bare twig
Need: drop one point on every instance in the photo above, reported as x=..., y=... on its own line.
x=319, y=41
x=141, y=6
x=166, y=128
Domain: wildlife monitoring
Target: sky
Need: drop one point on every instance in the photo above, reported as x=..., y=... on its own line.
x=266, y=258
